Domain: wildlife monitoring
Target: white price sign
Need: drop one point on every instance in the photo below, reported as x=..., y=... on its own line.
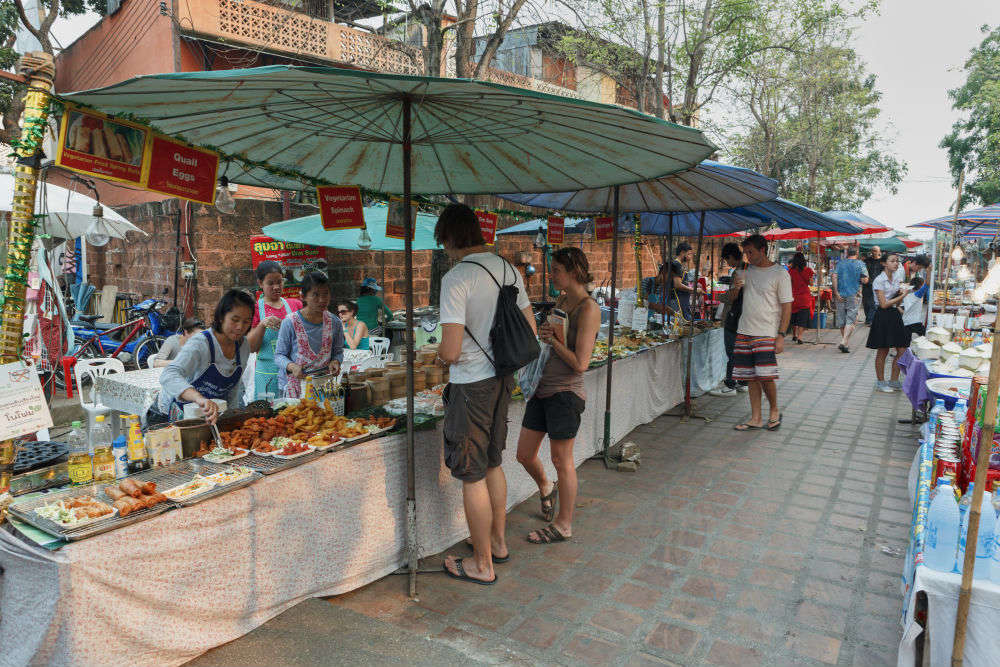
x=640, y=319
x=22, y=405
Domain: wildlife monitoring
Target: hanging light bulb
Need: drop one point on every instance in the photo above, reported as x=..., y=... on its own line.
x=539, y=239
x=224, y=201
x=364, y=239
x=957, y=254
x=97, y=234
x=964, y=273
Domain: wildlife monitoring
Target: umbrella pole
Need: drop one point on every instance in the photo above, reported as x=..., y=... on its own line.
x=411, y=477
x=670, y=262
x=611, y=326
x=690, y=342
x=932, y=279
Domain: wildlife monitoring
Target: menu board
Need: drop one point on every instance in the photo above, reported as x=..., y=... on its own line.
x=23, y=408
x=556, y=229
x=395, y=224
x=604, y=228
x=340, y=207
x=488, y=226
x=92, y=143
x=178, y=169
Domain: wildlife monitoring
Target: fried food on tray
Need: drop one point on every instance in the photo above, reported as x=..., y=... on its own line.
x=309, y=421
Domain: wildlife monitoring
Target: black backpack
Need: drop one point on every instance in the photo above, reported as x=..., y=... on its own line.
x=732, y=322
x=514, y=345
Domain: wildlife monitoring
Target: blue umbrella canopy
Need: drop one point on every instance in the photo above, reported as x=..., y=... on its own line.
x=709, y=185
x=309, y=230
x=282, y=126
x=981, y=222
x=781, y=212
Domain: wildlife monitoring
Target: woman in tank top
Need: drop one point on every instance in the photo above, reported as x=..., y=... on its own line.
x=559, y=400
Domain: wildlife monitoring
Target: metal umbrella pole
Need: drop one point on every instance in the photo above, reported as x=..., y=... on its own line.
x=412, y=555
x=611, y=325
x=932, y=279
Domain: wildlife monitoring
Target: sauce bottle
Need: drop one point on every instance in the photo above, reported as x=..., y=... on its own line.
x=79, y=464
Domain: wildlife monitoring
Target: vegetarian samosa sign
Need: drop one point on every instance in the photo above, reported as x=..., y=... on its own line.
x=117, y=150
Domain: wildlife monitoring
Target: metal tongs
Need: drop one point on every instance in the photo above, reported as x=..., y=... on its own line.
x=218, y=436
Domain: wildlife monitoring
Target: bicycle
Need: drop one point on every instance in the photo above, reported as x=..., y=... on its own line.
x=133, y=342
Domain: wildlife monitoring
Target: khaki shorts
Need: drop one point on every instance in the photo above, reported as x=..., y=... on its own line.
x=846, y=310
x=475, y=426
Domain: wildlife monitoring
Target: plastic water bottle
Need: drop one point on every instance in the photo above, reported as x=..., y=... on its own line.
x=961, y=411
x=932, y=418
x=995, y=560
x=100, y=434
x=984, y=541
x=942, y=529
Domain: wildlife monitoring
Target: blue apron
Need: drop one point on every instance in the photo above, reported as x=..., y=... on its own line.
x=266, y=370
x=212, y=383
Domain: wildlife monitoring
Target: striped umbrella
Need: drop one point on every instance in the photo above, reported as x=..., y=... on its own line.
x=981, y=223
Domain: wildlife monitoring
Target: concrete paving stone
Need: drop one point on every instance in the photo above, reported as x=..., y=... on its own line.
x=866, y=655
x=648, y=660
x=733, y=655
x=830, y=620
x=538, y=632
x=695, y=612
x=617, y=620
x=819, y=647
x=832, y=571
x=704, y=587
x=784, y=560
x=827, y=593
x=655, y=576
x=848, y=522
x=771, y=578
x=760, y=601
x=847, y=555
x=488, y=615
x=884, y=606
x=673, y=638
x=750, y=626
x=560, y=605
x=640, y=597
x=668, y=553
x=877, y=632
x=852, y=509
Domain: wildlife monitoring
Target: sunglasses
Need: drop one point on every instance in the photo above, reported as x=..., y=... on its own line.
x=342, y=311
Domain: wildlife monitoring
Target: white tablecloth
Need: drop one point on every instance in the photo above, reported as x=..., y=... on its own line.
x=131, y=393
x=167, y=589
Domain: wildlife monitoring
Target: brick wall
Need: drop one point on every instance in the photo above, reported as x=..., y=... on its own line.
x=221, y=245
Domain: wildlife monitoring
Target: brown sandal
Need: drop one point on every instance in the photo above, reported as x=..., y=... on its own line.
x=547, y=535
x=550, y=512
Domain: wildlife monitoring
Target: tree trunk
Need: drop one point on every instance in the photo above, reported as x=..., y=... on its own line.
x=661, y=41
x=464, y=38
x=697, y=57
x=496, y=39
x=433, y=47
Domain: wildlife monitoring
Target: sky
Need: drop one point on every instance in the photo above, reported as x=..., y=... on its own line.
x=917, y=49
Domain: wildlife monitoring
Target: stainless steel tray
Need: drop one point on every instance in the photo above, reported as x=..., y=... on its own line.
x=268, y=465
x=220, y=490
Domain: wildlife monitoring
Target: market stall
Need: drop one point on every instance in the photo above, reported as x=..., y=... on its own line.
x=164, y=590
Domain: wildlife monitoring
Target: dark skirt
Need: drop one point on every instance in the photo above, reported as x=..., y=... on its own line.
x=887, y=330
x=800, y=318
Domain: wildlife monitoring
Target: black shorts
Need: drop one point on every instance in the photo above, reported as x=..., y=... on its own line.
x=558, y=415
x=475, y=426
x=917, y=329
x=800, y=318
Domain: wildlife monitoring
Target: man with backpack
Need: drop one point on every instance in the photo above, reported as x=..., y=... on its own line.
x=487, y=333
x=732, y=309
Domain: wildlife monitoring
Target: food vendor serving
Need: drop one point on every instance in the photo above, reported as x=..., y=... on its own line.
x=210, y=366
x=271, y=309
x=311, y=341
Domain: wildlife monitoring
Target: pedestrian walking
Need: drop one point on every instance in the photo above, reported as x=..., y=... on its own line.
x=560, y=398
x=732, y=300
x=887, y=330
x=476, y=399
x=767, y=307
x=873, y=263
x=801, y=276
x=849, y=277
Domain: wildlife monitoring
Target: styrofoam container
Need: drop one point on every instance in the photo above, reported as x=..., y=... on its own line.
x=938, y=334
x=925, y=349
x=970, y=359
x=949, y=350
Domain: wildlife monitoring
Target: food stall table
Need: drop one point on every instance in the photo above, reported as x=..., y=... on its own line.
x=915, y=379
x=130, y=393
x=163, y=591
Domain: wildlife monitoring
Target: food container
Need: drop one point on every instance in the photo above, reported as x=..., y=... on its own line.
x=970, y=359
x=356, y=377
x=397, y=383
x=419, y=380
x=427, y=357
x=938, y=335
x=380, y=394
x=926, y=349
x=434, y=375
x=193, y=433
x=373, y=373
x=360, y=396
x=394, y=366
x=948, y=350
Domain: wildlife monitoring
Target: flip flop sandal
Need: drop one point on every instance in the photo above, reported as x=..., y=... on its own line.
x=497, y=560
x=746, y=427
x=550, y=512
x=774, y=426
x=548, y=535
x=465, y=577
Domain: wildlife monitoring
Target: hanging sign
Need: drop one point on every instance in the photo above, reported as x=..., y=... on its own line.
x=395, y=223
x=556, y=230
x=94, y=144
x=176, y=169
x=296, y=259
x=488, y=226
x=340, y=207
x=22, y=404
x=604, y=229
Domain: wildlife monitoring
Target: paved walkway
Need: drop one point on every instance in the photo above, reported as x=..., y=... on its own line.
x=726, y=548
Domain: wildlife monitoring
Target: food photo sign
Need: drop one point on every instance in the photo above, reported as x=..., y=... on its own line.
x=297, y=259
x=94, y=144
x=395, y=222
x=22, y=404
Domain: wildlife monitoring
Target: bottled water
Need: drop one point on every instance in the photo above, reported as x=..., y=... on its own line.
x=984, y=540
x=79, y=464
x=995, y=559
x=100, y=434
x=961, y=412
x=932, y=418
x=942, y=529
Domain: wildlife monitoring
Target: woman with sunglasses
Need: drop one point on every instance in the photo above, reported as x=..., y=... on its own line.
x=355, y=331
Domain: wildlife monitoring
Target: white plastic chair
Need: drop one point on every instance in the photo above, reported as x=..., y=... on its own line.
x=150, y=359
x=378, y=346
x=91, y=369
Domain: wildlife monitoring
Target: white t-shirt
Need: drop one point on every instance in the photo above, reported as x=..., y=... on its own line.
x=764, y=290
x=888, y=287
x=914, y=309
x=469, y=297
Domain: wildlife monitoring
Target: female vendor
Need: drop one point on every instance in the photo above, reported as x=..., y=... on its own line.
x=355, y=331
x=210, y=365
x=311, y=341
x=271, y=309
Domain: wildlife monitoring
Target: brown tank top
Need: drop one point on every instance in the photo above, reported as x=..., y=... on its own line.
x=558, y=375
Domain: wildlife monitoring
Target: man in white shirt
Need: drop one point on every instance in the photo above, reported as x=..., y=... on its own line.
x=476, y=400
x=767, y=307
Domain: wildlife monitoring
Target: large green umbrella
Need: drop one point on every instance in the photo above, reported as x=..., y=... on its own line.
x=283, y=126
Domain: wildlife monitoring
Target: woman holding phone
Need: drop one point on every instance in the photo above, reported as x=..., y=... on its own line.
x=560, y=399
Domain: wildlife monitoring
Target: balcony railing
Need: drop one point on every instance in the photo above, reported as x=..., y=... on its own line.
x=269, y=26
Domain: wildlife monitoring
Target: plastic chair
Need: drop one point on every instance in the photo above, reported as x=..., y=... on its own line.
x=150, y=359
x=91, y=369
x=378, y=346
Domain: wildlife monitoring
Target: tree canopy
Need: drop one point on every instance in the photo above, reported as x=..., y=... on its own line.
x=974, y=141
